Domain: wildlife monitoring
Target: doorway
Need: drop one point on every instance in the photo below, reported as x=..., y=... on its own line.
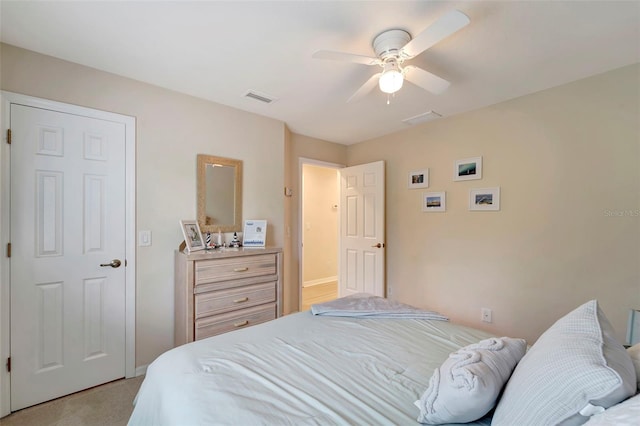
x=319, y=231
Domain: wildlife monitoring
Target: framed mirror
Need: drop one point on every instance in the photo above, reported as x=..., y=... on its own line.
x=219, y=194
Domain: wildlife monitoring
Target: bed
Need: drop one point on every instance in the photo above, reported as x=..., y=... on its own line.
x=336, y=368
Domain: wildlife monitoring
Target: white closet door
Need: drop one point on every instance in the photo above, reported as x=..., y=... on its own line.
x=67, y=218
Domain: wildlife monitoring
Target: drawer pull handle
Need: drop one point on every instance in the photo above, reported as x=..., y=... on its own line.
x=244, y=299
x=240, y=324
x=240, y=269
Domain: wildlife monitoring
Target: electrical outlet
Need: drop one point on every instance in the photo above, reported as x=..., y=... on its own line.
x=486, y=314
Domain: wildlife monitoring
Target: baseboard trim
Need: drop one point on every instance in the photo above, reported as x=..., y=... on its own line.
x=324, y=280
x=142, y=370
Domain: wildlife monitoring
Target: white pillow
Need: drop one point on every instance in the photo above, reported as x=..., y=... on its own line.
x=627, y=413
x=574, y=370
x=468, y=383
x=634, y=353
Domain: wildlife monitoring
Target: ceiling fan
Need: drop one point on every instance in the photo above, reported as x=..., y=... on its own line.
x=393, y=48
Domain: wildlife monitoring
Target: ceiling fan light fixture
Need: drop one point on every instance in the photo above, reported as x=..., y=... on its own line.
x=391, y=79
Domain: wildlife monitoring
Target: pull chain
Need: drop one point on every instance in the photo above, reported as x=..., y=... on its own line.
x=389, y=96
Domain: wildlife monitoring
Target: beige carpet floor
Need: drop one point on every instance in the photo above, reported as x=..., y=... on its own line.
x=107, y=405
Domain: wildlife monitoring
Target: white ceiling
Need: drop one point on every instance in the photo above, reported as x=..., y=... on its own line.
x=219, y=50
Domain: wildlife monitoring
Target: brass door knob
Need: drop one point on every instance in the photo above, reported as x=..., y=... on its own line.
x=115, y=263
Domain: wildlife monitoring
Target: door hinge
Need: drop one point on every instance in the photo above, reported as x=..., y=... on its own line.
x=9, y=364
x=8, y=249
x=9, y=136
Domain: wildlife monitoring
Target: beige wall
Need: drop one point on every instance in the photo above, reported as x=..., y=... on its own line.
x=171, y=130
x=566, y=160
x=320, y=224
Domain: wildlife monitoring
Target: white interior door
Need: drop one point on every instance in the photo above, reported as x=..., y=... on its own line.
x=362, y=229
x=67, y=219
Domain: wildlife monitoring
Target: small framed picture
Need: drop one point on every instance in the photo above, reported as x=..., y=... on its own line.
x=434, y=202
x=419, y=179
x=255, y=233
x=468, y=169
x=192, y=235
x=484, y=199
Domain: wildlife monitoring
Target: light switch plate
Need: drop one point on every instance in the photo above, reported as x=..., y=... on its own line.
x=144, y=238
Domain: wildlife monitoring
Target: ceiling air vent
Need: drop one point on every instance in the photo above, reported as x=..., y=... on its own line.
x=421, y=118
x=262, y=97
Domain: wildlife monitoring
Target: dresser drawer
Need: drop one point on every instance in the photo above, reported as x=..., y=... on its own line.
x=215, y=302
x=215, y=270
x=218, y=324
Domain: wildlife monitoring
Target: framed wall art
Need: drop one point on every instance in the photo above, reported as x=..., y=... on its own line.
x=484, y=199
x=434, y=202
x=467, y=169
x=192, y=235
x=419, y=179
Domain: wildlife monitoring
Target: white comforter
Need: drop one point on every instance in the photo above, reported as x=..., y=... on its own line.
x=300, y=369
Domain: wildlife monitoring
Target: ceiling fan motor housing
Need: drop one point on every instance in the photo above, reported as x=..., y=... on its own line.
x=389, y=43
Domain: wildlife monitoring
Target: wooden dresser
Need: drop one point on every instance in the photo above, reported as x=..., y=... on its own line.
x=218, y=291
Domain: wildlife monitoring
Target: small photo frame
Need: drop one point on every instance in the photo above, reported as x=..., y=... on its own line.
x=484, y=199
x=434, y=202
x=255, y=233
x=467, y=169
x=419, y=179
x=192, y=235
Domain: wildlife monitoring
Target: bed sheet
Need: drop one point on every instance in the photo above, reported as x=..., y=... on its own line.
x=301, y=370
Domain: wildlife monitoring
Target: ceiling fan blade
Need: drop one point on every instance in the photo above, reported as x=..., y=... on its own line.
x=439, y=30
x=426, y=80
x=365, y=88
x=348, y=57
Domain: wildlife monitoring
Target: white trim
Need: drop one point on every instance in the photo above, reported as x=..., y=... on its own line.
x=8, y=98
x=633, y=327
x=142, y=370
x=5, y=303
x=130, y=245
x=319, y=281
x=302, y=161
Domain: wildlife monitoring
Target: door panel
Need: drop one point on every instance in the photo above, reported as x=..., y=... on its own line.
x=67, y=218
x=362, y=233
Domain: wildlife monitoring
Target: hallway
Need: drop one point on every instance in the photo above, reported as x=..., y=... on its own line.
x=318, y=293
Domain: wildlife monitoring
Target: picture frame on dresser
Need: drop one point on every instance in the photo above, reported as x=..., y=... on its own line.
x=192, y=235
x=254, y=233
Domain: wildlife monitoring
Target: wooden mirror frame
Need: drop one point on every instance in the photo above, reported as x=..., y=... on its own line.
x=203, y=160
